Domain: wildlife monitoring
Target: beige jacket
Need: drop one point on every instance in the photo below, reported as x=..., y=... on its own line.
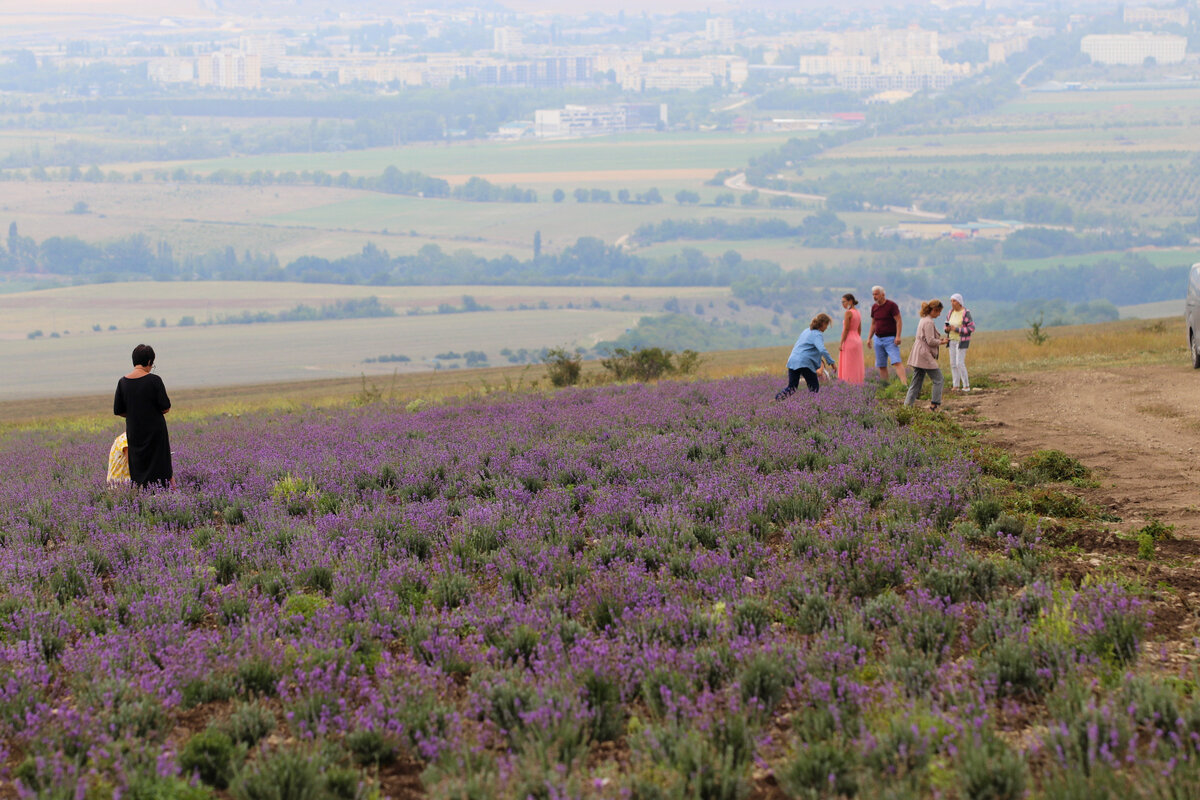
x=924, y=353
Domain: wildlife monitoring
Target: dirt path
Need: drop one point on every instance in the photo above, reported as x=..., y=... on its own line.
x=1138, y=428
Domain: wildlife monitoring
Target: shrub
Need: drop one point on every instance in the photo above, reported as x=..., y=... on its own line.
x=304, y=605
x=984, y=512
x=1006, y=524
x=234, y=514
x=1145, y=549
x=766, y=678
x=234, y=608
x=288, y=774
x=708, y=765
x=822, y=769
x=752, y=616
x=227, y=566
x=563, y=368
x=812, y=611
x=200, y=691
x=370, y=748
x=1053, y=503
x=317, y=579
x=258, y=676
x=648, y=363
x=991, y=771
x=450, y=590
x=1053, y=466
x=210, y=755
x=249, y=723
x=603, y=697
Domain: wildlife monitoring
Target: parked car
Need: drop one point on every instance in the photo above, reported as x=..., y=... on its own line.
x=1193, y=314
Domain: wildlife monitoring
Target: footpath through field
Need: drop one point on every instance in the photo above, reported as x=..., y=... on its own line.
x=1138, y=428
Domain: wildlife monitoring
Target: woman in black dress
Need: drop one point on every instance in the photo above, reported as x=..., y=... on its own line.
x=142, y=400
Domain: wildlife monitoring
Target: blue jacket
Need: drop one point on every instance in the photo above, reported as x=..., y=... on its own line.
x=808, y=350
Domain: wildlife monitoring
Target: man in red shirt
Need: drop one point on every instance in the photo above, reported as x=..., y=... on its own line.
x=885, y=332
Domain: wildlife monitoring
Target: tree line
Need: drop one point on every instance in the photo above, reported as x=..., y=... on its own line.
x=1127, y=279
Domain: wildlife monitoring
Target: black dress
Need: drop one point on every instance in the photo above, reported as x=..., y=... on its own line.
x=142, y=402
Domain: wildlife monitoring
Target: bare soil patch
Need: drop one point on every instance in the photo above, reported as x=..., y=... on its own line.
x=1137, y=428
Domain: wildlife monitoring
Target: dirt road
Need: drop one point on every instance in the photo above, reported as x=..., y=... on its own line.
x=1138, y=428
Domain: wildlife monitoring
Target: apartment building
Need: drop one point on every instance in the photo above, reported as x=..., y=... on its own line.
x=1133, y=49
x=401, y=72
x=886, y=44
x=270, y=49
x=507, y=40
x=229, y=69
x=718, y=29
x=1150, y=15
x=835, y=65
x=686, y=74
x=595, y=120
x=171, y=70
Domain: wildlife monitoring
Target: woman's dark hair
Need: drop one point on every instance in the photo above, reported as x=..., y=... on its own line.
x=143, y=355
x=851, y=298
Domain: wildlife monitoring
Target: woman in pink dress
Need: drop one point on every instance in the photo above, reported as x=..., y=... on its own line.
x=850, y=360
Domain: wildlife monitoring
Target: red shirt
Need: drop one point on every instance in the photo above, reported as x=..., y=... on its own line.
x=884, y=314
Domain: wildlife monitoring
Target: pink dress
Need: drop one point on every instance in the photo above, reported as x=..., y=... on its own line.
x=850, y=360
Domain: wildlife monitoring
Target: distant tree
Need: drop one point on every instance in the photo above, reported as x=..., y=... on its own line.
x=750, y=198
x=559, y=195
x=582, y=195
x=651, y=195
x=687, y=197
x=623, y=196
x=537, y=244
x=725, y=199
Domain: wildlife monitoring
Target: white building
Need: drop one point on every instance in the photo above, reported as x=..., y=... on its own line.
x=718, y=29
x=576, y=120
x=886, y=44
x=507, y=40
x=685, y=74
x=835, y=65
x=171, y=70
x=229, y=69
x=1134, y=48
x=270, y=49
x=1149, y=15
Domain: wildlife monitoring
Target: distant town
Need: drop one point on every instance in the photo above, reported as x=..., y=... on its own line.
x=875, y=58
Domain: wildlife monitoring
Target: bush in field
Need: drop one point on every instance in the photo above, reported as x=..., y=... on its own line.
x=562, y=367
x=649, y=363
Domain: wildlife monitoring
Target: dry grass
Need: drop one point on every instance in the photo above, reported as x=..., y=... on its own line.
x=1076, y=347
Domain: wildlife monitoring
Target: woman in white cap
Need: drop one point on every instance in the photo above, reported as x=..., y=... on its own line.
x=959, y=327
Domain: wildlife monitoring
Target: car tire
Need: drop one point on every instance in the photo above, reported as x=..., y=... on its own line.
x=1195, y=350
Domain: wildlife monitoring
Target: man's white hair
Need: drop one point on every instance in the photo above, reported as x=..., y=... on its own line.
x=875, y=289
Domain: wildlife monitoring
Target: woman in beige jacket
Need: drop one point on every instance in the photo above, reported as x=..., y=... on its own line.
x=923, y=358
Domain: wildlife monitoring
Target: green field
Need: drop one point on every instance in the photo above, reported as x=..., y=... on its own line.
x=1131, y=103
x=1159, y=258
x=646, y=152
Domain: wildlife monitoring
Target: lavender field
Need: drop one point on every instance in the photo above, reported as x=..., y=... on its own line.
x=671, y=591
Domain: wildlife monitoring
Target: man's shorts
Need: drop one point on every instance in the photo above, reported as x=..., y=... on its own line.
x=886, y=351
